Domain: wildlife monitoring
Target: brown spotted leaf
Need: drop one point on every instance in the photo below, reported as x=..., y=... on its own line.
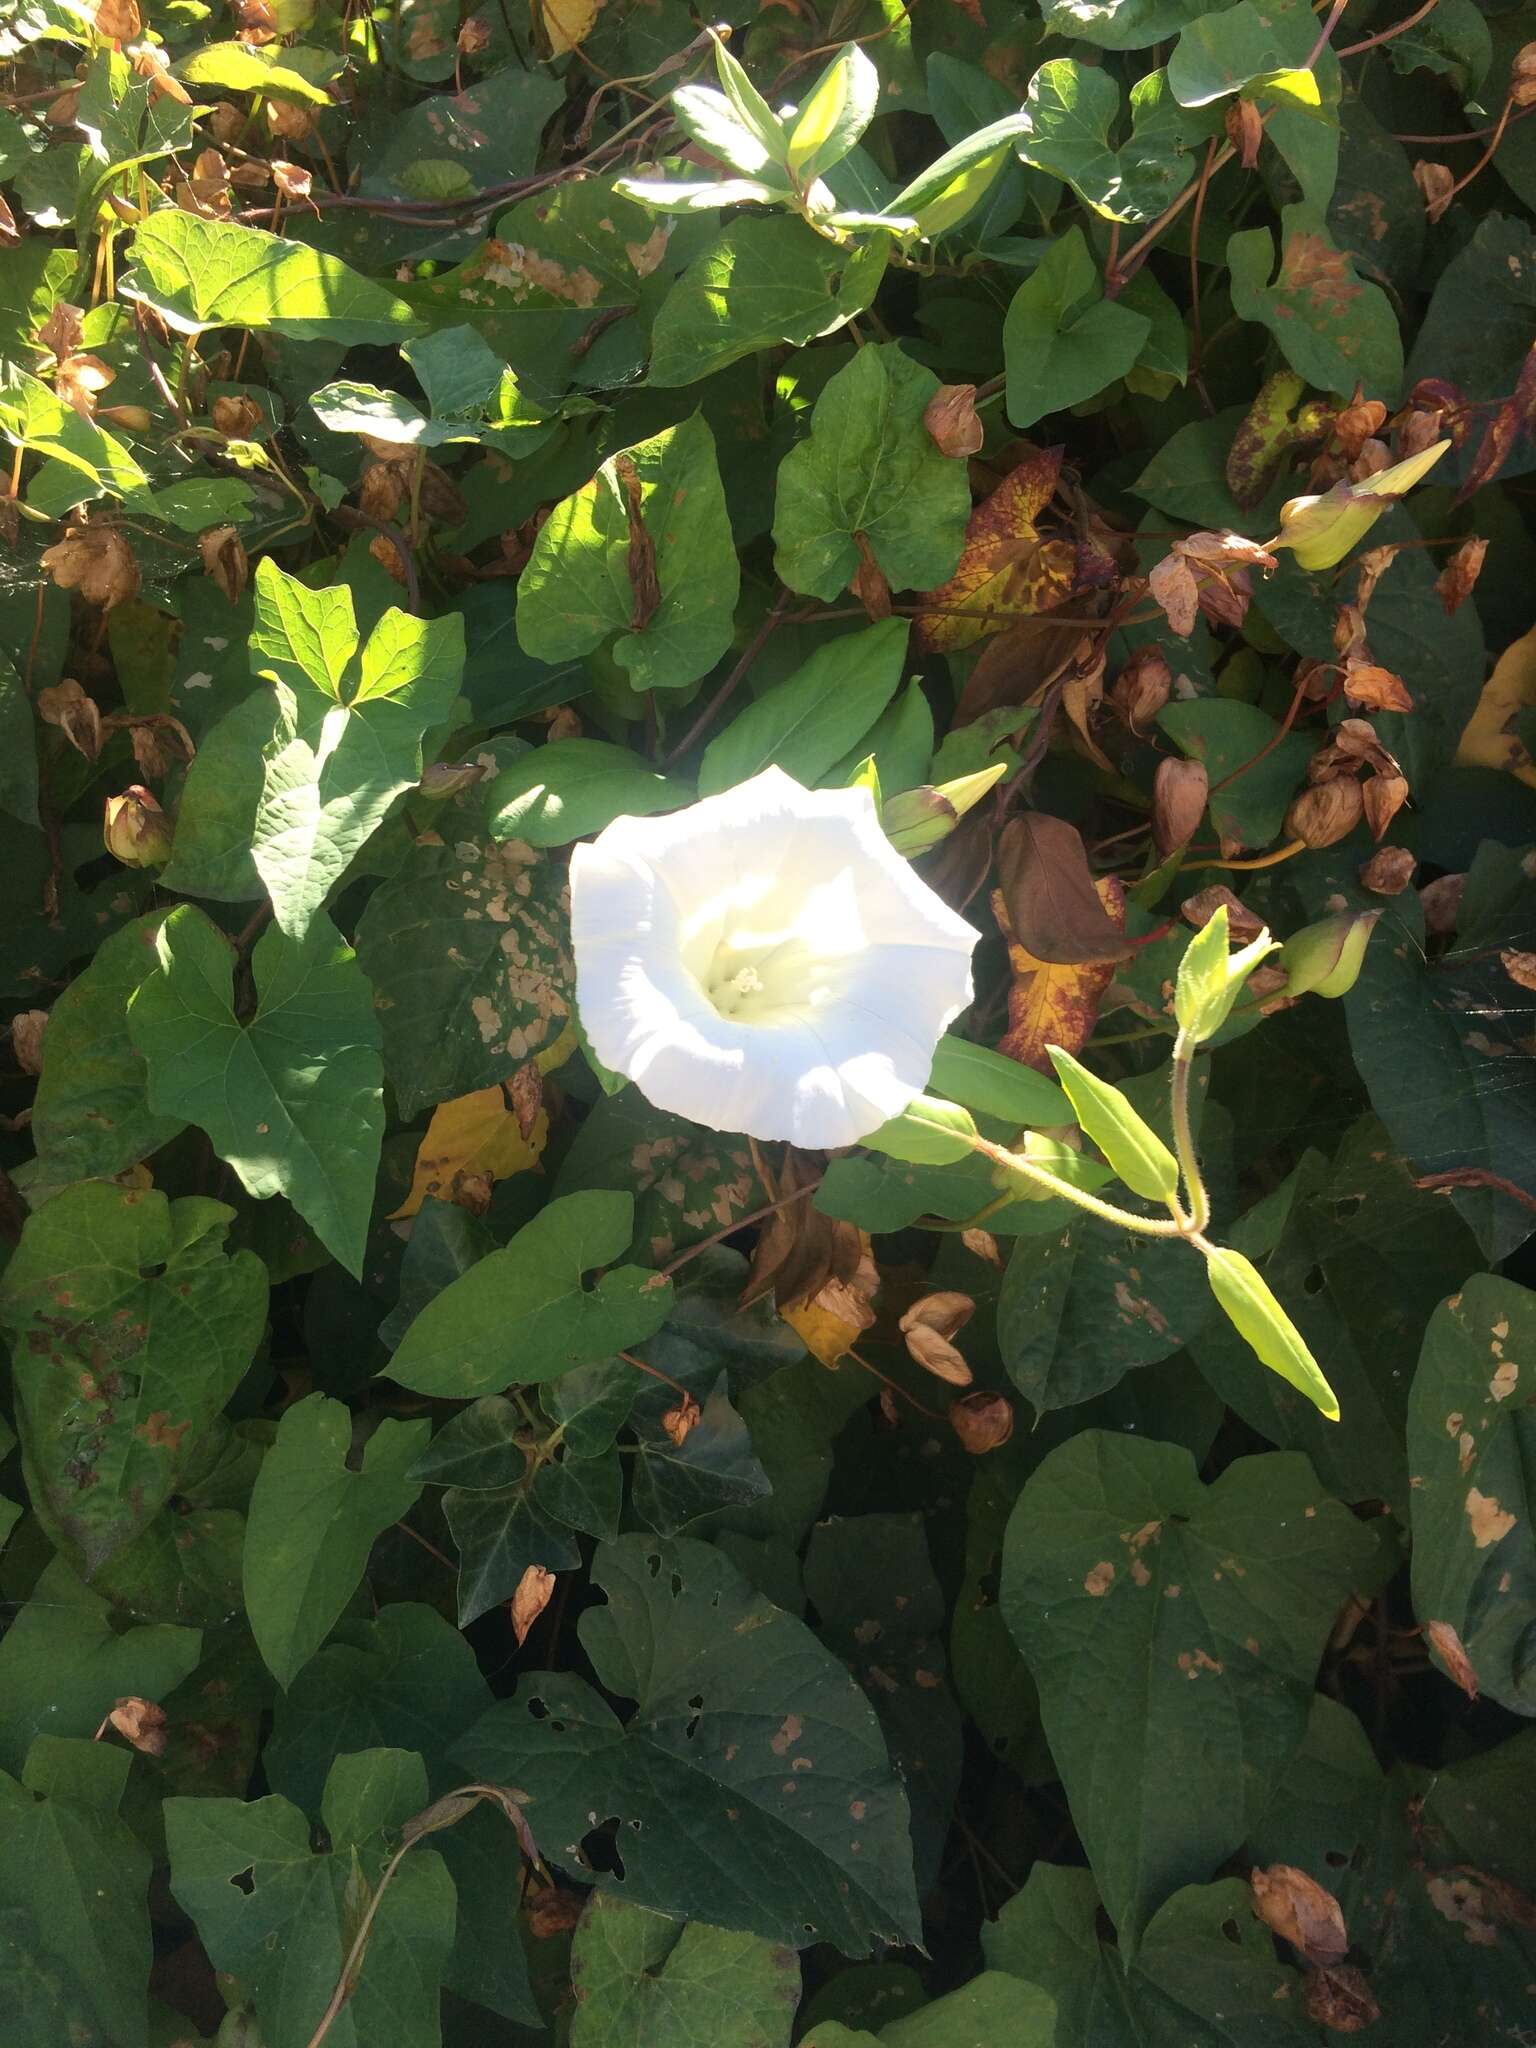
x=1008, y=569
x=130, y=1331
x=1053, y=1004
x=468, y=951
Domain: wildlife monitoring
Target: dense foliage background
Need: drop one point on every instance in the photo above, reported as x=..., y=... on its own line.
x=490, y=1561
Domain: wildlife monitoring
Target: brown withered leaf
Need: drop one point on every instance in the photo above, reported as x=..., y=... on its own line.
x=10, y=233
x=224, y=558
x=983, y=1244
x=292, y=180
x=833, y=1321
x=679, y=1422
x=641, y=555
x=1180, y=790
x=1019, y=664
x=553, y=1911
x=1142, y=687
x=1325, y=813
x=141, y=1723
x=1522, y=76
x=1300, y=1911
x=1339, y=1998
x=237, y=417
x=1245, y=131
x=1007, y=567
x=1520, y=967
x=1448, y=1647
x=118, y=20
x=983, y=1422
x=529, y=1600
x=1456, y=581
x=525, y=1092
x=928, y=1326
x=1383, y=796
x=1054, y=910
x=97, y=561
x=1440, y=901
x=77, y=716
x=952, y=420
x=1388, y=871
x=1360, y=421
x=1173, y=586
x=1436, y=183
x=79, y=378
x=1374, y=688
x=799, y=1249
x=1051, y=1004
x=1242, y=925
x=1516, y=416
x=27, y=1031
x=62, y=330
x=869, y=583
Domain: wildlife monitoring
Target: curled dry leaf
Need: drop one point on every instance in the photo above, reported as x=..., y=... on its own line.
x=1300, y=1911
x=1520, y=967
x=97, y=561
x=1383, y=797
x=1198, y=910
x=952, y=420
x=554, y=1911
x=1436, y=183
x=1179, y=792
x=1339, y=1998
x=1142, y=688
x=118, y=20
x=79, y=378
x=1457, y=579
x=1388, y=871
x=141, y=1723
x=832, y=1322
x=983, y=1244
x=525, y=1092
x=292, y=180
x=679, y=1422
x=928, y=1326
x=238, y=418
x=982, y=1421
x=10, y=233
x=1245, y=131
x=224, y=558
x=1375, y=689
x=1449, y=1649
x=1514, y=418
x=529, y=1601
x=1325, y=813
x=868, y=582
x=1359, y=422
x=799, y=1249
x=1053, y=907
x=1440, y=901
x=1522, y=76
x=27, y=1029
x=76, y=715
x=1173, y=585
x=63, y=328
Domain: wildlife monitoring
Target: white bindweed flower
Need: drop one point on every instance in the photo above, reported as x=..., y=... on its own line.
x=766, y=962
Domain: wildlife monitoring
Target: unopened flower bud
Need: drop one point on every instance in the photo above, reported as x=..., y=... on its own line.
x=919, y=818
x=135, y=829
x=1324, y=959
x=1325, y=813
x=1179, y=791
x=983, y=1422
x=1322, y=530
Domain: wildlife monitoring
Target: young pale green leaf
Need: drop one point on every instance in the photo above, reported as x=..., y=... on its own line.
x=313, y=1520
x=870, y=471
x=941, y=197
x=237, y=67
x=698, y=195
x=808, y=722
x=752, y=109
x=1211, y=977
x=996, y=1085
x=151, y=1288
x=834, y=114
x=293, y=1097
x=712, y=120
x=569, y=788
x=525, y=1313
x=1128, y=1142
x=1260, y=1320
x=927, y=1133
x=199, y=273
x=642, y=552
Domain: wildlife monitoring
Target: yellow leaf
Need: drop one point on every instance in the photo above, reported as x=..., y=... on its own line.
x=1491, y=739
x=475, y=1135
x=567, y=23
x=1053, y=1004
x=1007, y=569
x=832, y=1321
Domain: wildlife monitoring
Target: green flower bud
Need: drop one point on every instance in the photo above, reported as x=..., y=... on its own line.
x=918, y=819
x=1322, y=528
x=1211, y=978
x=1324, y=959
x=135, y=830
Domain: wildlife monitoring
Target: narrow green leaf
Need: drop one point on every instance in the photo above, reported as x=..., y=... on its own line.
x=998, y=1086
x=1127, y=1140
x=1258, y=1318
x=808, y=722
x=570, y=788
x=834, y=113
x=927, y=1133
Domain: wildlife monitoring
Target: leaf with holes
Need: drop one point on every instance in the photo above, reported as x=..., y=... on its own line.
x=751, y=1783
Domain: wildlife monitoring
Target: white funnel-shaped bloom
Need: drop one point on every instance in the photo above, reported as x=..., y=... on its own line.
x=766, y=962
